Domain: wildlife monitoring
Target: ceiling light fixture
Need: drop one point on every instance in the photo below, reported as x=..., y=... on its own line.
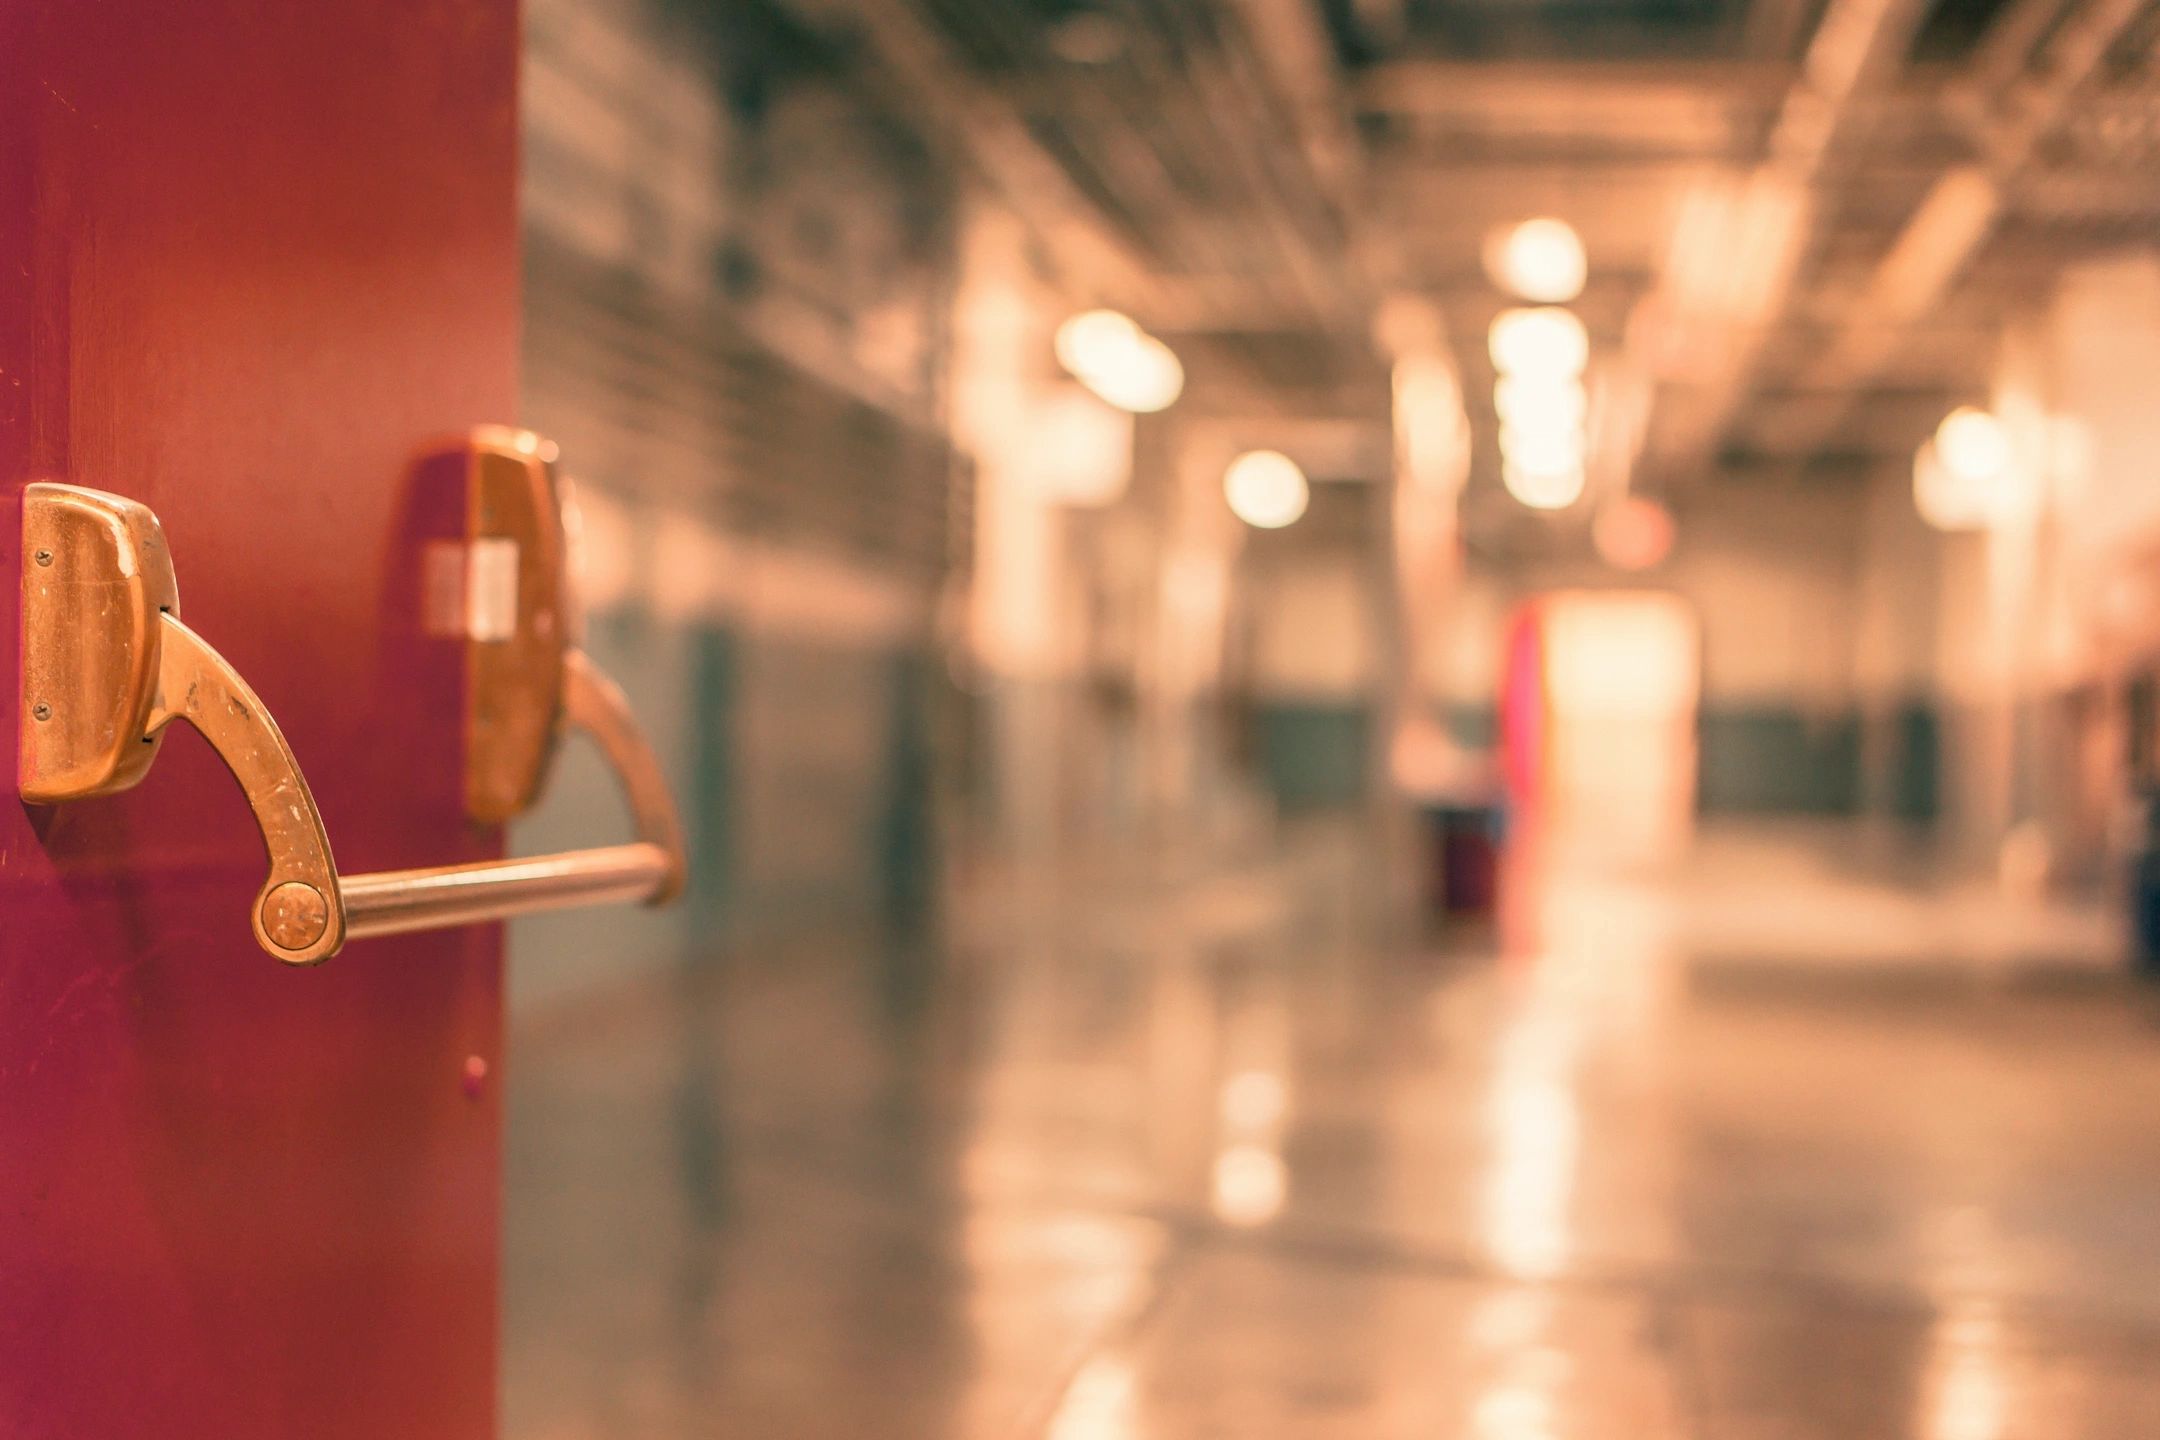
x=1542, y=450
x=1266, y=489
x=1545, y=342
x=1972, y=444
x=1543, y=491
x=1534, y=402
x=1538, y=260
x=1120, y=362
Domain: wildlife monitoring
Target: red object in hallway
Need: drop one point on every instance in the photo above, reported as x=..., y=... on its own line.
x=254, y=257
x=1523, y=704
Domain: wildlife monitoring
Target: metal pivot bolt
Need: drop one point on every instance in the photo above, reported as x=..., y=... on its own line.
x=295, y=915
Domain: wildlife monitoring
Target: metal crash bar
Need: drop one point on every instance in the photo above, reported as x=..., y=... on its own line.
x=389, y=902
x=108, y=665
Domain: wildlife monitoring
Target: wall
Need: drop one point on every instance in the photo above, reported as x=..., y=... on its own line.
x=1026, y=617
x=1771, y=571
x=2049, y=628
x=1896, y=681
x=1995, y=667
x=2102, y=338
x=737, y=287
x=1313, y=671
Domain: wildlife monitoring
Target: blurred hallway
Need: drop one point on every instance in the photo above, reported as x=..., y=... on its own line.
x=1188, y=1156
x=1401, y=718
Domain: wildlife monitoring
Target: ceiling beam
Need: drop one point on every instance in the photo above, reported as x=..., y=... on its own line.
x=1688, y=109
x=1738, y=250
x=1234, y=116
x=930, y=78
x=1967, y=202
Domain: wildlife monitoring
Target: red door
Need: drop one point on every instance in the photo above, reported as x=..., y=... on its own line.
x=253, y=256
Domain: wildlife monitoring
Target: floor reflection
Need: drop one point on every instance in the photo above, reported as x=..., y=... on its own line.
x=1151, y=1157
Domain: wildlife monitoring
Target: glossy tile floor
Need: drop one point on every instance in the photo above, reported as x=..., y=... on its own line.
x=1183, y=1158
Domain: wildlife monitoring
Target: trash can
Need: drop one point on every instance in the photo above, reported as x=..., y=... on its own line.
x=1463, y=882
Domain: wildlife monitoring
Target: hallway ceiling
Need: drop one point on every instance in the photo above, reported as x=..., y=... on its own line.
x=1807, y=219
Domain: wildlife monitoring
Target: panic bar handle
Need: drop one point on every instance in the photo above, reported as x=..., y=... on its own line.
x=108, y=666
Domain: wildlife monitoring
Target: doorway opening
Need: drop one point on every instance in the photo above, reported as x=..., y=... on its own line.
x=1598, y=724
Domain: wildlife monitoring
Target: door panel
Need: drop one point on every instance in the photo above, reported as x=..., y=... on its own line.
x=253, y=257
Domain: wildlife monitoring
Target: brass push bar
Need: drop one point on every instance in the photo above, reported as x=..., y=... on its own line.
x=108, y=665
x=651, y=870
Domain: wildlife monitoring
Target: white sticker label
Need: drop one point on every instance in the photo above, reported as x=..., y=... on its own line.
x=491, y=590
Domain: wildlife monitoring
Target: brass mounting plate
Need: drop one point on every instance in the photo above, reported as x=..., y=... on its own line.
x=95, y=576
x=519, y=626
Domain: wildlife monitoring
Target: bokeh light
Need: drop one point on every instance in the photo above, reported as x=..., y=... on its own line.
x=1249, y=1185
x=1533, y=402
x=1111, y=355
x=1943, y=499
x=1538, y=260
x=1633, y=533
x=1545, y=341
x=1972, y=444
x=1542, y=450
x=1543, y=490
x=1093, y=338
x=1149, y=379
x=1266, y=489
